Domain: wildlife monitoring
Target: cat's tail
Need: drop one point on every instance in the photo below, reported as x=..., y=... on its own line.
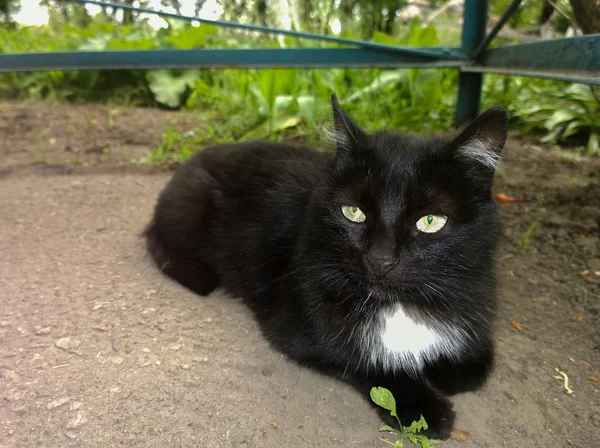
x=178, y=234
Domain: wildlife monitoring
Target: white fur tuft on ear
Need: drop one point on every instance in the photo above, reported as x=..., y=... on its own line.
x=335, y=137
x=480, y=151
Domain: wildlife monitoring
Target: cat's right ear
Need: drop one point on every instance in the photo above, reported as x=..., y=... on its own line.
x=482, y=141
x=347, y=133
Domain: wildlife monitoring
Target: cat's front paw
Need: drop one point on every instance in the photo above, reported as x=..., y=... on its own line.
x=439, y=418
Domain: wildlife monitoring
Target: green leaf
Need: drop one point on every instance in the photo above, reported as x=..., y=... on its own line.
x=572, y=128
x=412, y=438
x=558, y=117
x=417, y=426
x=306, y=108
x=389, y=429
x=168, y=88
x=273, y=126
x=384, y=398
x=263, y=106
x=398, y=444
x=593, y=146
x=282, y=103
x=426, y=442
x=384, y=79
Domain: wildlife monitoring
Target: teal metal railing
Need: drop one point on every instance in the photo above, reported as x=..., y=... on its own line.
x=575, y=59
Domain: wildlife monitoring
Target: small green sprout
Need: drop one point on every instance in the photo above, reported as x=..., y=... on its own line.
x=384, y=398
x=527, y=238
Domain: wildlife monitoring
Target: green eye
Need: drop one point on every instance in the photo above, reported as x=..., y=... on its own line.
x=431, y=223
x=353, y=213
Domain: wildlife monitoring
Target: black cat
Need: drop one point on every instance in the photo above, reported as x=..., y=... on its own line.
x=374, y=262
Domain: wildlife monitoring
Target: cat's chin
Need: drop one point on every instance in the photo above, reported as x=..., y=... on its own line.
x=383, y=292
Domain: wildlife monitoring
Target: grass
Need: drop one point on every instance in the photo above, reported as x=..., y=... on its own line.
x=279, y=103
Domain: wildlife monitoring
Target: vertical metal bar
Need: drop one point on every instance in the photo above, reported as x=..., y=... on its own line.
x=469, y=84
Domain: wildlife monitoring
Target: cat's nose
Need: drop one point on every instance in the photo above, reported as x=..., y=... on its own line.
x=381, y=265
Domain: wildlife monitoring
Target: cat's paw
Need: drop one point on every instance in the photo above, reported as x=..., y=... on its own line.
x=438, y=414
x=467, y=376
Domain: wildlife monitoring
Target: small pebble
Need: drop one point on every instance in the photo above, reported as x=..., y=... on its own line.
x=66, y=343
x=12, y=376
x=13, y=395
x=75, y=405
x=79, y=419
x=116, y=360
x=57, y=403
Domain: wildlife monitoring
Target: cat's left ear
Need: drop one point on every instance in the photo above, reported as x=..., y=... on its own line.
x=482, y=141
x=347, y=133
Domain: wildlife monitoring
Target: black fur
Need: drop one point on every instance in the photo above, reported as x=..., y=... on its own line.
x=263, y=221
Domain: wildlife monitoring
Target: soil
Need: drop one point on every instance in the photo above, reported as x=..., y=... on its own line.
x=98, y=349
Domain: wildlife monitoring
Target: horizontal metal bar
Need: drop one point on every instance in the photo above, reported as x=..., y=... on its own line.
x=512, y=8
x=216, y=58
x=575, y=59
x=432, y=52
x=557, y=75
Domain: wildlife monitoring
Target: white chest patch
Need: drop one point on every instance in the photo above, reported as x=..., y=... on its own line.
x=403, y=336
x=397, y=341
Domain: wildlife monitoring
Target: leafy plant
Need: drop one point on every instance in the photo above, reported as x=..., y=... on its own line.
x=384, y=398
x=278, y=103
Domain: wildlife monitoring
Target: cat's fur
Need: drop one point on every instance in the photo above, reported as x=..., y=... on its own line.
x=378, y=303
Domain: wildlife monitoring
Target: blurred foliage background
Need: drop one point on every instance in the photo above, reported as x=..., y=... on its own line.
x=279, y=103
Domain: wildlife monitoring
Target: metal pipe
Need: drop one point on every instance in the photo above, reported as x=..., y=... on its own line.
x=512, y=8
x=446, y=53
x=470, y=84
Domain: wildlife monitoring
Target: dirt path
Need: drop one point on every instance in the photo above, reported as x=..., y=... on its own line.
x=98, y=349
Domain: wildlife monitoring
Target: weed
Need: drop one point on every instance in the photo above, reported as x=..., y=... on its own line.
x=384, y=398
x=527, y=238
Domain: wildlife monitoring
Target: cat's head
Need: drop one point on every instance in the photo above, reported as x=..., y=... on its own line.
x=410, y=218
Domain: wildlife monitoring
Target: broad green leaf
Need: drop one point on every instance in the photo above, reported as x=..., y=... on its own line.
x=558, y=117
x=572, y=128
x=398, y=444
x=384, y=398
x=553, y=135
x=282, y=103
x=306, y=108
x=168, y=88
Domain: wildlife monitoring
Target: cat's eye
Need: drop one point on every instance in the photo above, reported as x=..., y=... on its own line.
x=353, y=213
x=431, y=223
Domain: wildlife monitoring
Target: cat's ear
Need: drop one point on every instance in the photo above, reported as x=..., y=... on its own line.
x=482, y=141
x=347, y=133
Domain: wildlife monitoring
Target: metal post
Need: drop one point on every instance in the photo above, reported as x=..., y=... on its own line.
x=469, y=84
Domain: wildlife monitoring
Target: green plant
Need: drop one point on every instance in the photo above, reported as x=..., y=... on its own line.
x=280, y=103
x=527, y=237
x=384, y=398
